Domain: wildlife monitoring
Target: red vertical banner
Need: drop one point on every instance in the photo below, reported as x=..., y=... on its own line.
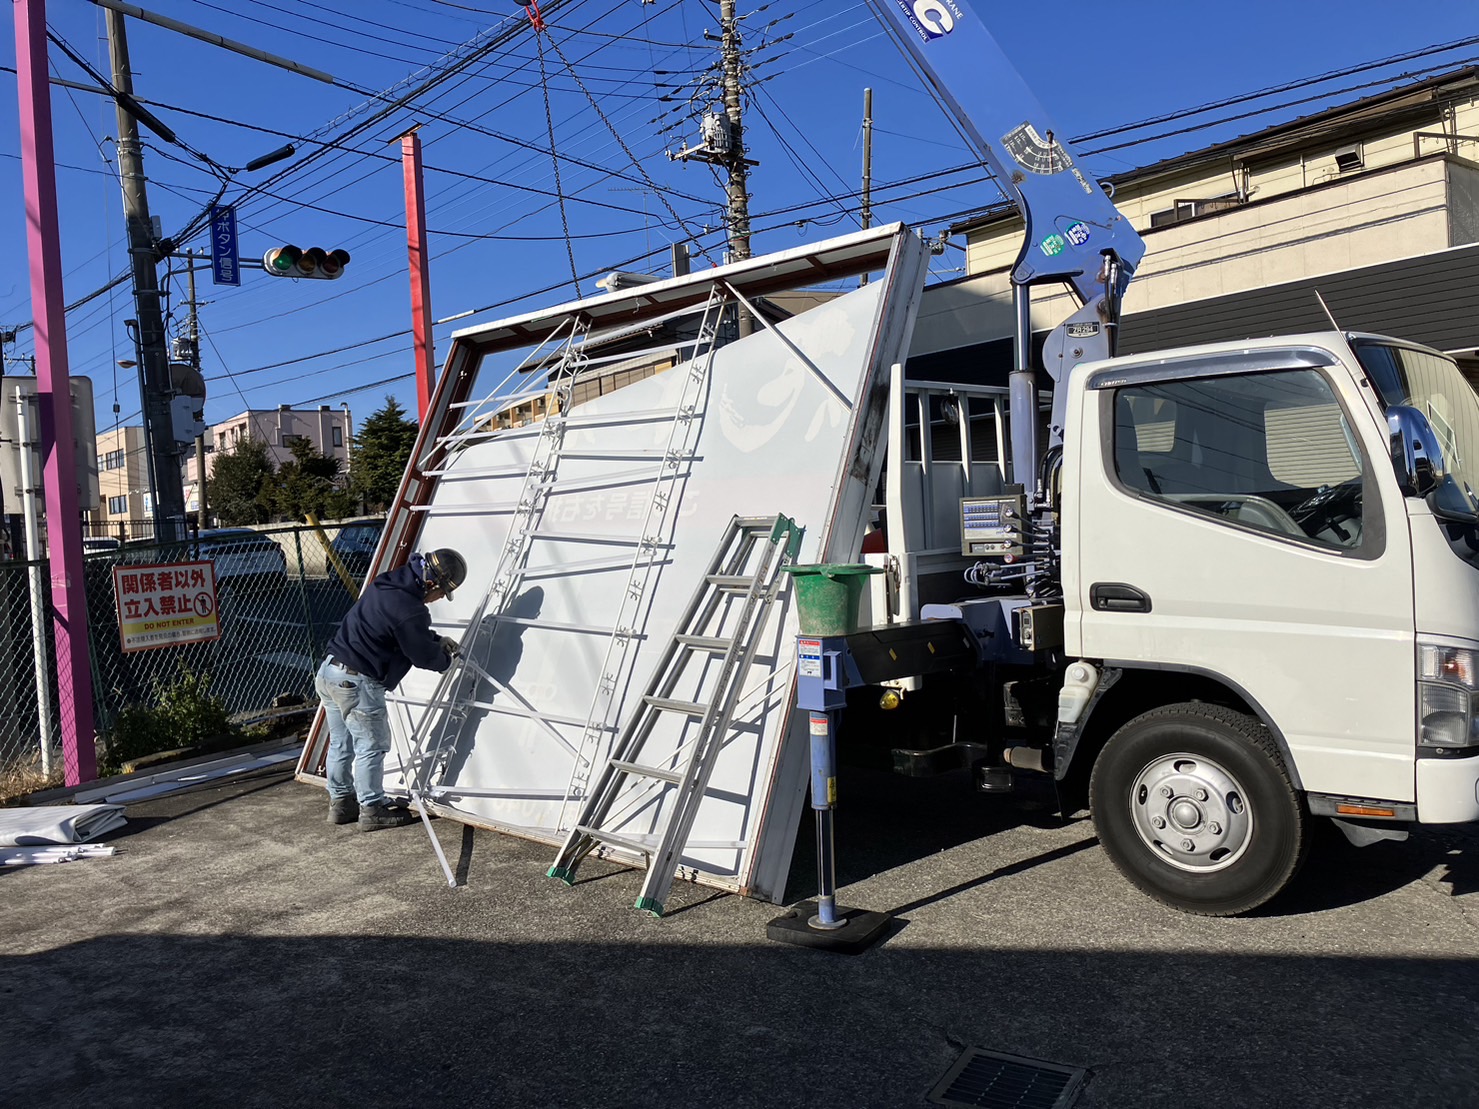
x=64, y=527
x=420, y=275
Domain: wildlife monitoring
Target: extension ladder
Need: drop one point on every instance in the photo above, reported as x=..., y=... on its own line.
x=724, y=620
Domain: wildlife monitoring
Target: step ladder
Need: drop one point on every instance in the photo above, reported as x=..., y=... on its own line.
x=724, y=620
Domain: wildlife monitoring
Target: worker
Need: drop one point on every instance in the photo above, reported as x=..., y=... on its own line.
x=387, y=632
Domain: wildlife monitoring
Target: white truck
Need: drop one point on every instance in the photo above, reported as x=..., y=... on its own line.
x=1240, y=587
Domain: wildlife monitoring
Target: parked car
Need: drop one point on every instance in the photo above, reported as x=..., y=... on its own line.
x=242, y=555
x=355, y=544
x=99, y=544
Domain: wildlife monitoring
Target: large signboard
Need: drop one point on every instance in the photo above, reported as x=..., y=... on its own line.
x=161, y=606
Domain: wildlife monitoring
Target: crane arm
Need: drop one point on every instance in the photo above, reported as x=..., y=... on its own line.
x=1074, y=234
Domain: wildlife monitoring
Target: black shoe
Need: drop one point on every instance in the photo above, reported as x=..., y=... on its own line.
x=372, y=817
x=343, y=810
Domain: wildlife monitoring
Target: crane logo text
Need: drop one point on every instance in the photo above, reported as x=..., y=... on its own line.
x=933, y=19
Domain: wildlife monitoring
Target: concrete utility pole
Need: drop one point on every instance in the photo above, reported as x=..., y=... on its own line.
x=192, y=353
x=739, y=169
x=155, y=384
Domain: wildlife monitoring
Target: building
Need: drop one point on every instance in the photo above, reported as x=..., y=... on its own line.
x=329, y=430
x=1374, y=205
x=124, y=506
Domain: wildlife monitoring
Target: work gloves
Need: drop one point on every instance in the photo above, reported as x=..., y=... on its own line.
x=450, y=647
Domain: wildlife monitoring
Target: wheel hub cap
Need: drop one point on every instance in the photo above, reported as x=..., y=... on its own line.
x=1191, y=812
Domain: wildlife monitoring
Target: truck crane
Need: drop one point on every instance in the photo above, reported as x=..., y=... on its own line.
x=1238, y=588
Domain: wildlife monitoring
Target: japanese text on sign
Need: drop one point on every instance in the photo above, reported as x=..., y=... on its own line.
x=160, y=606
x=225, y=262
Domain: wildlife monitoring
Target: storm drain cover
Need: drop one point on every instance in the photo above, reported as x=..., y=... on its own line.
x=1000, y=1081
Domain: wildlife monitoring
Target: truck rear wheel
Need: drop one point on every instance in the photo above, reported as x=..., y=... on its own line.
x=1193, y=805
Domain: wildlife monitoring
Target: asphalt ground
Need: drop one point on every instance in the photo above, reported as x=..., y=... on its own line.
x=240, y=951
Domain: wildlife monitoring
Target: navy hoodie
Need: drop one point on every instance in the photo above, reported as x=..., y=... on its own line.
x=389, y=630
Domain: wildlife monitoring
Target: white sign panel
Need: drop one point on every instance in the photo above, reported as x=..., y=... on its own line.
x=789, y=423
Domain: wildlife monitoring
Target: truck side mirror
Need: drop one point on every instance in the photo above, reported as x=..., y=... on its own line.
x=1416, y=456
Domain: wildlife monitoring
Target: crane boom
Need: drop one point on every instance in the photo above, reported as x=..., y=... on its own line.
x=1074, y=233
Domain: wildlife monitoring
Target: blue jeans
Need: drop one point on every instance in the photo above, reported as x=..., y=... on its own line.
x=359, y=733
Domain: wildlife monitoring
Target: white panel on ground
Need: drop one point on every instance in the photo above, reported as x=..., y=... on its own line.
x=643, y=483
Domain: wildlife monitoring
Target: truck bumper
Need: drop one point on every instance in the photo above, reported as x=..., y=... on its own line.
x=1447, y=791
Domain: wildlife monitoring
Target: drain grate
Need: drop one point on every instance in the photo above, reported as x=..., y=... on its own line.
x=999, y=1081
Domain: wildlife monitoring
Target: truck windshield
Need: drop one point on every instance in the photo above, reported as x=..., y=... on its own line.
x=1434, y=386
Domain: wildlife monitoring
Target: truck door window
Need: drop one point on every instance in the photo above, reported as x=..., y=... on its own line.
x=1273, y=452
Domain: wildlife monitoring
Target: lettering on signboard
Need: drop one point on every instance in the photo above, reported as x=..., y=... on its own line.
x=160, y=606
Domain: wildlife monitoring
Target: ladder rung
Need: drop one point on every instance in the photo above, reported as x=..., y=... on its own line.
x=642, y=454
x=705, y=642
x=731, y=583
x=634, y=845
x=674, y=776
x=587, y=566
x=665, y=704
x=591, y=537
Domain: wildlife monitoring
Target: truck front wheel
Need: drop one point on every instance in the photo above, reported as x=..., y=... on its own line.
x=1194, y=806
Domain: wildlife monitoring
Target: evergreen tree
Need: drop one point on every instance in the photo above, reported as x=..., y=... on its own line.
x=239, y=487
x=309, y=483
x=380, y=454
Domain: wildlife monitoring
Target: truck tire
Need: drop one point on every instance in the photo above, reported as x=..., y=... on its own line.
x=1193, y=805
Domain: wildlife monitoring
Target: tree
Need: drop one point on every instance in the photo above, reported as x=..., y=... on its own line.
x=239, y=487
x=381, y=451
x=309, y=483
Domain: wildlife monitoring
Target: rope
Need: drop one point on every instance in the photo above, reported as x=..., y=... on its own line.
x=677, y=219
x=549, y=121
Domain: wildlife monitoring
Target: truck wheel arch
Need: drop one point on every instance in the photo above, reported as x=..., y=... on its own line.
x=1127, y=689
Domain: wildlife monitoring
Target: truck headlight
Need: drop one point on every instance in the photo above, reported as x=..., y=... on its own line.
x=1448, y=679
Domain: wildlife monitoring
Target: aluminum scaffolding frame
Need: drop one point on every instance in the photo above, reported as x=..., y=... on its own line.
x=445, y=713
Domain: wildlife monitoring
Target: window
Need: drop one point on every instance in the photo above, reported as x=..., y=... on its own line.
x=118, y=506
x=1272, y=452
x=338, y=433
x=113, y=460
x=1183, y=210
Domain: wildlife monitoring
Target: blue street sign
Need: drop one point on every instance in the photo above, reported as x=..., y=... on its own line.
x=225, y=264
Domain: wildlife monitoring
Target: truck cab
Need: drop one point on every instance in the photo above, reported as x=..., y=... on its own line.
x=1269, y=578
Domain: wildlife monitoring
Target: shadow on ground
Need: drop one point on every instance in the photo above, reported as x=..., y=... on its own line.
x=144, y=1020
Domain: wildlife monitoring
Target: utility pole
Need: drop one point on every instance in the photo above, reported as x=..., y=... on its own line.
x=723, y=142
x=189, y=351
x=155, y=385
x=867, y=199
x=739, y=170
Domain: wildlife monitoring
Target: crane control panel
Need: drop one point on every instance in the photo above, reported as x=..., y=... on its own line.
x=991, y=527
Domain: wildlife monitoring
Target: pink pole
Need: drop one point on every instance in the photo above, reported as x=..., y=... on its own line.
x=64, y=528
x=420, y=274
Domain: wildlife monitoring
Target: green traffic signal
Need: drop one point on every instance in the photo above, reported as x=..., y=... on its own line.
x=315, y=262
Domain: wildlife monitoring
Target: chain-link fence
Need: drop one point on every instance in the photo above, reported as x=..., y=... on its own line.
x=279, y=599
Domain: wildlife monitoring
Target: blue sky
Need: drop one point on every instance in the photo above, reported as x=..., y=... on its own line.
x=499, y=232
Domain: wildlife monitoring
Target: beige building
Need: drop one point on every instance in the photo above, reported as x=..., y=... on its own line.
x=1374, y=205
x=123, y=486
x=329, y=430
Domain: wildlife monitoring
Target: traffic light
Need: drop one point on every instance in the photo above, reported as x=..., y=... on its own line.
x=315, y=262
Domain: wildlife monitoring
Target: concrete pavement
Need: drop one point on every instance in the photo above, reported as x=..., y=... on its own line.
x=240, y=951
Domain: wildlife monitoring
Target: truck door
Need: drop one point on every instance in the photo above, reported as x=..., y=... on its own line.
x=1231, y=521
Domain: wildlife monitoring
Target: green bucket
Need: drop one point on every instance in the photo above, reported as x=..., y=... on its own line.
x=827, y=596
